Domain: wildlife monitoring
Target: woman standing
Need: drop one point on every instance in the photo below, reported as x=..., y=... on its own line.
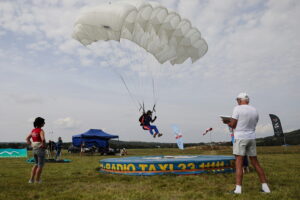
x=37, y=135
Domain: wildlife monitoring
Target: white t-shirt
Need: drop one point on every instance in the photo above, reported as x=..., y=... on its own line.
x=247, y=117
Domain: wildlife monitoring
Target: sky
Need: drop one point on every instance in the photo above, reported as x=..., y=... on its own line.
x=253, y=47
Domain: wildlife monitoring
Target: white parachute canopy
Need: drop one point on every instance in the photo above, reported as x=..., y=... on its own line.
x=158, y=30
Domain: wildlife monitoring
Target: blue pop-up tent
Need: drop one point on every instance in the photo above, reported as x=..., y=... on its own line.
x=93, y=137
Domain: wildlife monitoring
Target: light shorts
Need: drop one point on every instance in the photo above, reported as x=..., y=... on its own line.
x=243, y=147
x=39, y=156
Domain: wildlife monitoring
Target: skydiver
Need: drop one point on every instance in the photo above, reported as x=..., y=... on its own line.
x=145, y=121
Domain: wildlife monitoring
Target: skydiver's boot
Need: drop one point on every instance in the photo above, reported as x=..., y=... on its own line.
x=155, y=135
x=160, y=134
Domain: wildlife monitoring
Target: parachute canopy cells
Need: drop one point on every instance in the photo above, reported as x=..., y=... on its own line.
x=160, y=31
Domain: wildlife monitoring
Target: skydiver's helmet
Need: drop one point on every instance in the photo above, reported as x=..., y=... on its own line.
x=149, y=112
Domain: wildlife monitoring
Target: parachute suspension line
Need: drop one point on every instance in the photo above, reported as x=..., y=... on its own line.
x=142, y=108
x=154, y=96
x=131, y=95
x=134, y=100
x=129, y=92
x=151, y=73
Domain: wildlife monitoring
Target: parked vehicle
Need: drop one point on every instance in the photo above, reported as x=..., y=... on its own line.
x=73, y=149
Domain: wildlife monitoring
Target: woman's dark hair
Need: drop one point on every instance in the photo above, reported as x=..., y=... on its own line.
x=38, y=122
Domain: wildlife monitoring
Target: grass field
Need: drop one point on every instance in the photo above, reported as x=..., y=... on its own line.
x=80, y=179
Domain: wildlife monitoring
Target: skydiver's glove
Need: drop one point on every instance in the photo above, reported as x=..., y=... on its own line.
x=155, y=118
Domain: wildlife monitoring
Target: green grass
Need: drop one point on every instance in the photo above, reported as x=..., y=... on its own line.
x=80, y=180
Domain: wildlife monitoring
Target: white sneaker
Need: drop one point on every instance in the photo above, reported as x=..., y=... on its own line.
x=235, y=192
x=265, y=188
x=31, y=181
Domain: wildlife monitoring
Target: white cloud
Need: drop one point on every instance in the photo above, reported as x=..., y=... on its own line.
x=67, y=123
x=253, y=46
x=31, y=120
x=38, y=46
x=264, y=130
x=27, y=98
x=69, y=46
x=2, y=33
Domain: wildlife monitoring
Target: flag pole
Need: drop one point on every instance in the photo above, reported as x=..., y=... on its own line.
x=210, y=141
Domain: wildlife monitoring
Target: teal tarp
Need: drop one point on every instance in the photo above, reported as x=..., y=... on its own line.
x=7, y=153
x=31, y=160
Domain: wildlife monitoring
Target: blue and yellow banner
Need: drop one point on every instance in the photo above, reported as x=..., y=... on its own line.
x=158, y=165
x=13, y=153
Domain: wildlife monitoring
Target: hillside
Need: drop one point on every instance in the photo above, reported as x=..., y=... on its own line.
x=292, y=138
x=141, y=145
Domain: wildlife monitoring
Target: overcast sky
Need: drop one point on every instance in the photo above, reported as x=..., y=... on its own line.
x=254, y=47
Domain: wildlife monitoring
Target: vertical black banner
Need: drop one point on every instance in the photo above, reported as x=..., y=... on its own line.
x=276, y=125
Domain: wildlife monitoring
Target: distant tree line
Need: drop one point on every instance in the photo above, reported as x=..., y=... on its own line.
x=291, y=138
x=144, y=145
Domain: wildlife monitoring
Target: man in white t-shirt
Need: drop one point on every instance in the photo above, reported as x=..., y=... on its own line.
x=243, y=121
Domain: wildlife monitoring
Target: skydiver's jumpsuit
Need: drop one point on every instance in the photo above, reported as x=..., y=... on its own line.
x=145, y=123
